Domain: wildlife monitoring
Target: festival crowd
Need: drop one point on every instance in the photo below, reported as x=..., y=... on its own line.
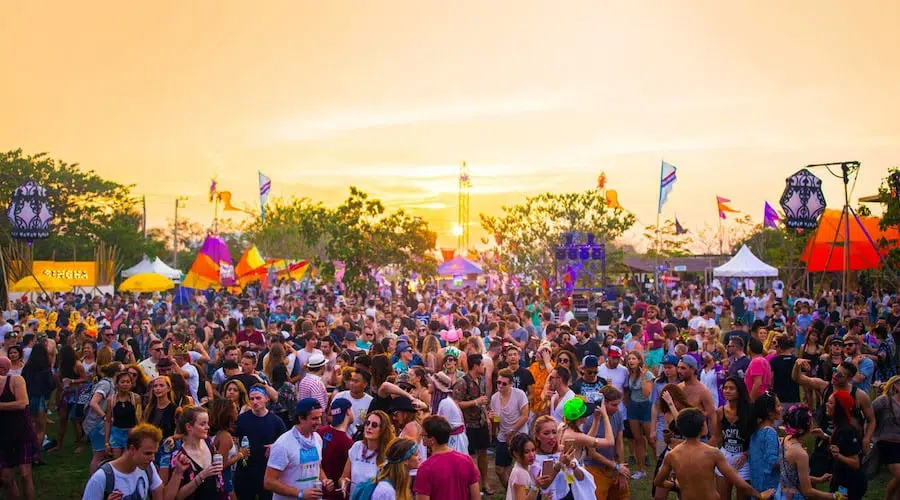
x=298, y=391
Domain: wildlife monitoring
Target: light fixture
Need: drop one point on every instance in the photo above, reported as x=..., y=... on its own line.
x=29, y=212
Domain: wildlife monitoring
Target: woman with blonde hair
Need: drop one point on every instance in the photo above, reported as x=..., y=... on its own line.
x=640, y=386
x=104, y=356
x=162, y=412
x=556, y=486
x=275, y=357
x=393, y=481
x=430, y=350
x=367, y=454
x=713, y=345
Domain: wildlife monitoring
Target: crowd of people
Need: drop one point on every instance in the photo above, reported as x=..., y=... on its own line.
x=293, y=392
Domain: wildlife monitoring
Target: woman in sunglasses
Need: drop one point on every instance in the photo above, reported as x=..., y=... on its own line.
x=366, y=455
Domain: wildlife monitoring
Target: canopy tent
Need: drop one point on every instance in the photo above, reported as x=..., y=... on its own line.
x=156, y=266
x=146, y=282
x=824, y=251
x=745, y=265
x=458, y=266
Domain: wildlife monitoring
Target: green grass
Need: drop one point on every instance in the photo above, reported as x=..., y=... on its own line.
x=66, y=473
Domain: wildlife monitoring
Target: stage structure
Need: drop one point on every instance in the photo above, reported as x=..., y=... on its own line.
x=580, y=263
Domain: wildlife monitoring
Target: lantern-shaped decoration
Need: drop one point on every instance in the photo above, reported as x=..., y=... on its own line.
x=29, y=212
x=802, y=200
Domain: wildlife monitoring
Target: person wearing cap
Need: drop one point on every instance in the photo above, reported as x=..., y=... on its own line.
x=336, y=442
x=613, y=371
x=358, y=397
x=606, y=463
x=588, y=384
x=696, y=393
x=312, y=385
x=668, y=375
x=405, y=355
x=295, y=459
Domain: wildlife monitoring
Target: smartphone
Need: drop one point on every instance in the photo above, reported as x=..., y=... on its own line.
x=569, y=444
x=547, y=468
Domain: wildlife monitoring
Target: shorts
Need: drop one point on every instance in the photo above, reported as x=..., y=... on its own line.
x=479, y=439
x=606, y=486
x=118, y=437
x=18, y=452
x=501, y=455
x=654, y=357
x=76, y=412
x=744, y=471
x=639, y=411
x=888, y=453
x=37, y=404
x=98, y=437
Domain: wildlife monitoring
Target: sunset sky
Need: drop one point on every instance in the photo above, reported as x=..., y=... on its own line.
x=391, y=96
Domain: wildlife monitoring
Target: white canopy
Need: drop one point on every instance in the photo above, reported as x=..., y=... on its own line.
x=745, y=265
x=155, y=266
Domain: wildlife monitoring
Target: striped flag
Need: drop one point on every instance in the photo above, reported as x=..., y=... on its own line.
x=666, y=183
x=265, y=185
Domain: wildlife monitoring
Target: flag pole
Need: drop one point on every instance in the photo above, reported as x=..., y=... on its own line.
x=658, y=211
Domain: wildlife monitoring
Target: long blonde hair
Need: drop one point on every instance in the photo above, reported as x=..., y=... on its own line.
x=275, y=356
x=394, y=469
x=151, y=400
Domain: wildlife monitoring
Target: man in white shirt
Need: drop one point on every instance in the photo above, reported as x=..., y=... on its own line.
x=148, y=366
x=614, y=373
x=358, y=398
x=558, y=384
x=184, y=368
x=309, y=348
x=295, y=458
x=133, y=474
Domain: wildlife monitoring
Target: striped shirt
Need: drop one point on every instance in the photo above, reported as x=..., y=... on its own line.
x=311, y=386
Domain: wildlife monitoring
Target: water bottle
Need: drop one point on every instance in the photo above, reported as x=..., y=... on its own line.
x=245, y=442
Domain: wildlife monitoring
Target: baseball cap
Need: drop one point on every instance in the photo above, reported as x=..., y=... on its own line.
x=339, y=409
x=349, y=337
x=307, y=405
x=590, y=361
x=574, y=409
x=403, y=346
x=670, y=359
x=614, y=352
x=689, y=360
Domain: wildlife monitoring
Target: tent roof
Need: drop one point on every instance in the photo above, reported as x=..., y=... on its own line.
x=745, y=265
x=825, y=249
x=155, y=266
x=458, y=265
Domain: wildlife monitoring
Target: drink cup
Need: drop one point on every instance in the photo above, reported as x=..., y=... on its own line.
x=217, y=459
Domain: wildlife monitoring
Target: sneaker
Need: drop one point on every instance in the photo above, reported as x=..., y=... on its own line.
x=638, y=475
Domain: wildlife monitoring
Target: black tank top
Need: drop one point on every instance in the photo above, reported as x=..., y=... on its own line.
x=732, y=440
x=12, y=422
x=124, y=415
x=164, y=419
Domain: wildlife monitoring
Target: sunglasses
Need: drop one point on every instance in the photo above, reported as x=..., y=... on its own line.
x=501, y=384
x=564, y=361
x=373, y=424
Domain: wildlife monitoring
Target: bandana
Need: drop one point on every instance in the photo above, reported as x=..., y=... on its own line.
x=412, y=451
x=259, y=390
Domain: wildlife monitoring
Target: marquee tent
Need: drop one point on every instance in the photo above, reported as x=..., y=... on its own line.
x=156, y=266
x=825, y=249
x=459, y=266
x=745, y=265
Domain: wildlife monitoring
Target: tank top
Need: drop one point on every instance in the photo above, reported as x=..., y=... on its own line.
x=164, y=418
x=213, y=488
x=732, y=440
x=12, y=422
x=790, y=478
x=124, y=414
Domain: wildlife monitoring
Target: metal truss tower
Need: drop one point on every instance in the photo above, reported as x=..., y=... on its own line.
x=462, y=241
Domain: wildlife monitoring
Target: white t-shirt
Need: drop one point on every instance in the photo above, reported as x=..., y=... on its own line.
x=303, y=356
x=132, y=485
x=384, y=491
x=193, y=381
x=298, y=469
x=360, y=407
x=361, y=469
x=616, y=378
x=510, y=413
x=556, y=406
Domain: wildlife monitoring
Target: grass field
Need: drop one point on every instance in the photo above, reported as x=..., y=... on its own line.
x=65, y=474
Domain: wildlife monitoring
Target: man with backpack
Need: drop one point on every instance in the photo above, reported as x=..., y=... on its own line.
x=132, y=476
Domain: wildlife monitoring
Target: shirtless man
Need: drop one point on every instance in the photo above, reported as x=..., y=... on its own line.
x=697, y=394
x=694, y=464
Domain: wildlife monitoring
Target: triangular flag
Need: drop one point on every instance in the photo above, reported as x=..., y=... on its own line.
x=721, y=202
x=770, y=216
x=678, y=228
x=612, y=199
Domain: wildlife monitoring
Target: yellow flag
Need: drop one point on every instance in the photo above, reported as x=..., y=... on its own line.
x=612, y=199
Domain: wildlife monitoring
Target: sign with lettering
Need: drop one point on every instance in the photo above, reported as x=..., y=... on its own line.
x=82, y=273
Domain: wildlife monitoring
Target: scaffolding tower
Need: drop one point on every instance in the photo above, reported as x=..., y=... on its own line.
x=462, y=239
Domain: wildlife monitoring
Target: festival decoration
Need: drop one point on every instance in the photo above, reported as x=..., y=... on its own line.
x=667, y=178
x=601, y=180
x=679, y=229
x=612, y=200
x=721, y=204
x=802, y=200
x=251, y=266
x=265, y=185
x=824, y=252
x=213, y=266
x=770, y=216
x=146, y=283
x=29, y=212
x=212, y=189
x=30, y=284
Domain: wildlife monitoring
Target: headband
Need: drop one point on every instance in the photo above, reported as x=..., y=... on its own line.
x=790, y=430
x=259, y=390
x=406, y=456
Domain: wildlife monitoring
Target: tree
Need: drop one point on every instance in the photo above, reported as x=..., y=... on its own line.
x=360, y=232
x=726, y=238
x=87, y=209
x=669, y=243
x=890, y=218
x=526, y=235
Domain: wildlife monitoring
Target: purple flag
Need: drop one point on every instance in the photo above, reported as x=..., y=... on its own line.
x=770, y=216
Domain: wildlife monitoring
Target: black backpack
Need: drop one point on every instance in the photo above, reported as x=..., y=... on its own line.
x=110, y=479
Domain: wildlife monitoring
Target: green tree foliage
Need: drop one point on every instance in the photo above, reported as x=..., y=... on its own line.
x=668, y=243
x=87, y=209
x=527, y=234
x=890, y=218
x=359, y=232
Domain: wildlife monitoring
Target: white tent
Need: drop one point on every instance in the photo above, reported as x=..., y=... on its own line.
x=155, y=266
x=745, y=265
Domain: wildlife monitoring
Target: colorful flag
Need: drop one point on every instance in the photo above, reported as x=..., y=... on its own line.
x=265, y=184
x=666, y=183
x=770, y=216
x=721, y=202
x=212, y=189
x=212, y=267
x=679, y=230
x=612, y=199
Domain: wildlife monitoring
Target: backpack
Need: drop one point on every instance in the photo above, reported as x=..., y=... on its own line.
x=364, y=490
x=110, y=479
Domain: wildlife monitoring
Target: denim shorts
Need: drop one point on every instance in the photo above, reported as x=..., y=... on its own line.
x=37, y=404
x=118, y=437
x=639, y=411
x=98, y=437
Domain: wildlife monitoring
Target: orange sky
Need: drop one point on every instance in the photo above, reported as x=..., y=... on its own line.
x=392, y=95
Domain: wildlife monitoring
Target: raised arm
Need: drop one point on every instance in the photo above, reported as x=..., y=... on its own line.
x=804, y=380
